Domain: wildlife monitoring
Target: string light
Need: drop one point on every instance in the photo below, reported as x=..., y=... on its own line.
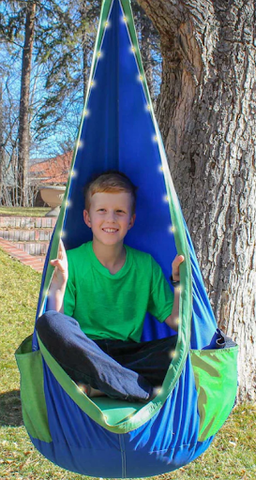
x=80, y=144
x=166, y=198
x=155, y=139
x=177, y=321
x=158, y=390
x=93, y=84
x=63, y=234
x=140, y=78
x=107, y=24
x=171, y=229
x=68, y=204
x=173, y=354
x=100, y=54
x=132, y=49
x=160, y=168
x=86, y=113
x=148, y=107
x=124, y=19
x=74, y=173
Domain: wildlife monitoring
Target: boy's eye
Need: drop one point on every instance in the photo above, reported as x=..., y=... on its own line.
x=101, y=209
x=120, y=211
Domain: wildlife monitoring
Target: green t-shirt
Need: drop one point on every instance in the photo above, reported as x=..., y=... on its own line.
x=114, y=306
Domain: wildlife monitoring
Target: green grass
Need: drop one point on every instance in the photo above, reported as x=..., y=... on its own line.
x=232, y=455
x=24, y=212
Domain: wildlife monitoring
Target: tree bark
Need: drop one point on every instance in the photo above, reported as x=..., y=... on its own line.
x=24, y=127
x=146, y=49
x=1, y=139
x=207, y=119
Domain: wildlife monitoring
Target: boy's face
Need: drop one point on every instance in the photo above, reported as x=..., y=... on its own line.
x=110, y=217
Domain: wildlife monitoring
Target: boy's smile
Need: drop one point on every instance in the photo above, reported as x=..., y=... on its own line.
x=110, y=217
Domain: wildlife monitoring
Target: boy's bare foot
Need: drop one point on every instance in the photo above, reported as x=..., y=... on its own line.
x=90, y=391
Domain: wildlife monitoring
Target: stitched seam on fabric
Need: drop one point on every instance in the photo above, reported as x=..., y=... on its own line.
x=123, y=455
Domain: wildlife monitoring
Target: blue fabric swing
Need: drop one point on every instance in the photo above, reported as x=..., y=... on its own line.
x=104, y=437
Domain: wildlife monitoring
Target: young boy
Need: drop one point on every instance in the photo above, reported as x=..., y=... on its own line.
x=98, y=299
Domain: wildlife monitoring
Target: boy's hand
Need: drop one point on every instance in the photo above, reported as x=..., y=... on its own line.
x=60, y=275
x=59, y=280
x=173, y=319
x=176, y=267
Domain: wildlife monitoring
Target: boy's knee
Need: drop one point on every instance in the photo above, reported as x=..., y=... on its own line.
x=46, y=321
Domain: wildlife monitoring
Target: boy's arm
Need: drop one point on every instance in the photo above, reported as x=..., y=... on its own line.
x=173, y=319
x=59, y=280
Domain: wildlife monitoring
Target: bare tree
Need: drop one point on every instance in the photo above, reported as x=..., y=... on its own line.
x=1, y=136
x=207, y=118
x=24, y=129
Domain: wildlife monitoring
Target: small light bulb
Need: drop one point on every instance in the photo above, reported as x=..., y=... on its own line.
x=124, y=19
x=155, y=139
x=74, y=173
x=158, y=390
x=93, y=83
x=140, y=78
x=62, y=234
x=148, y=107
x=166, y=198
x=80, y=144
x=132, y=49
x=172, y=229
x=160, y=168
x=100, y=54
x=68, y=204
x=86, y=113
x=107, y=24
x=173, y=354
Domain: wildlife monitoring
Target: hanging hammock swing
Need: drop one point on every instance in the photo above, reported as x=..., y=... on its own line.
x=102, y=437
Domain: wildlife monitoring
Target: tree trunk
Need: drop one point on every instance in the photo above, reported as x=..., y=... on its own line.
x=207, y=118
x=146, y=51
x=1, y=140
x=24, y=128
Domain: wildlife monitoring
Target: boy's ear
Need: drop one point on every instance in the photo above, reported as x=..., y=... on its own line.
x=132, y=221
x=87, y=218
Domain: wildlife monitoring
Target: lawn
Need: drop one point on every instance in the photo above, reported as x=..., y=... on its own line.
x=24, y=212
x=232, y=455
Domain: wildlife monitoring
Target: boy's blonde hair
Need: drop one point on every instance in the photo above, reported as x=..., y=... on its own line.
x=111, y=181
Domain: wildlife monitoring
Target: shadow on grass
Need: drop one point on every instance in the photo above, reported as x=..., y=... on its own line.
x=10, y=409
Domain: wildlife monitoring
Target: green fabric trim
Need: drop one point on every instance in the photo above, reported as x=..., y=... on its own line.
x=34, y=409
x=126, y=7
x=216, y=383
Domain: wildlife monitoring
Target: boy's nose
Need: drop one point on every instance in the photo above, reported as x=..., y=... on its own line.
x=111, y=216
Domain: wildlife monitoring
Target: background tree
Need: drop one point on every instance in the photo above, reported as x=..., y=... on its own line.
x=45, y=34
x=55, y=83
x=1, y=134
x=207, y=118
x=10, y=84
x=24, y=121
